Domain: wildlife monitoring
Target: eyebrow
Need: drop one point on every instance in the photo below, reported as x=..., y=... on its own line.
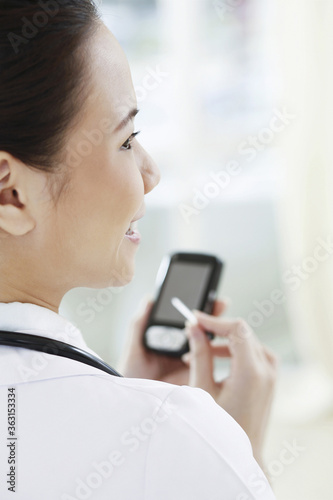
x=127, y=119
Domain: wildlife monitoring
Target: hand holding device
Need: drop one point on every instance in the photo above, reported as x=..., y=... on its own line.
x=246, y=394
x=139, y=362
x=188, y=280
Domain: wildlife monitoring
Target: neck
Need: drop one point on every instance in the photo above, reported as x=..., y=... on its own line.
x=33, y=295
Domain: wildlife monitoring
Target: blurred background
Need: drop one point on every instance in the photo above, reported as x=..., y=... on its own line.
x=240, y=91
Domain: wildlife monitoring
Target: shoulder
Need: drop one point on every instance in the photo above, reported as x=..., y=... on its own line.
x=193, y=406
x=175, y=440
x=195, y=449
x=157, y=405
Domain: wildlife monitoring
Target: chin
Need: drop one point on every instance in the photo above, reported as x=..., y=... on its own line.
x=110, y=282
x=120, y=282
x=123, y=276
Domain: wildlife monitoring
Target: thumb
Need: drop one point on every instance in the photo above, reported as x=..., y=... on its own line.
x=201, y=359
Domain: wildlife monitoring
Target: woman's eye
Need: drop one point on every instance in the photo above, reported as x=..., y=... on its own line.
x=128, y=144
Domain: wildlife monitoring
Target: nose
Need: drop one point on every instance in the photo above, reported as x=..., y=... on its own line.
x=150, y=172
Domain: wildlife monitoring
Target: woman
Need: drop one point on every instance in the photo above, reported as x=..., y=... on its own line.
x=72, y=179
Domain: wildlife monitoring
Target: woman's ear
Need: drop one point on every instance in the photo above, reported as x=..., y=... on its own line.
x=15, y=218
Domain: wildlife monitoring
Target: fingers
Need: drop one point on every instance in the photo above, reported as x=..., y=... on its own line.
x=220, y=327
x=220, y=306
x=201, y=360
x=243, y=344
x=235, y=329
x=219, y=351
x=272, y=361
x=271, y=357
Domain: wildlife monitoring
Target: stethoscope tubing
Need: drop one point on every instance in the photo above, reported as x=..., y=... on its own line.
x=55, y=347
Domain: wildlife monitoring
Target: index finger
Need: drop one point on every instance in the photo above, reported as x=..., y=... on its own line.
x=245, y=348
x=236, y=330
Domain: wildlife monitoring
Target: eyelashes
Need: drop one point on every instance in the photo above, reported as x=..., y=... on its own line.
x=128, y=144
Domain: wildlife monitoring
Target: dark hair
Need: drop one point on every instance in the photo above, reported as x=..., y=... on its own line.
x=43, y=75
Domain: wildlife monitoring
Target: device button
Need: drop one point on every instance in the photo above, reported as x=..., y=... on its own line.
x=168, y=338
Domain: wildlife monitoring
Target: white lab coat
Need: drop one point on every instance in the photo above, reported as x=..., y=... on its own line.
x=84, y=434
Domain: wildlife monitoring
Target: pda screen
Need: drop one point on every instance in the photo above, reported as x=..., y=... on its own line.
x=188, y=282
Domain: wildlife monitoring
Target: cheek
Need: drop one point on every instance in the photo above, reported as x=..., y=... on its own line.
x=108, y=193
x=123, y=190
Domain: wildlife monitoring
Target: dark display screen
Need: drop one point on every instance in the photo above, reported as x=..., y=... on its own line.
x=188, y=282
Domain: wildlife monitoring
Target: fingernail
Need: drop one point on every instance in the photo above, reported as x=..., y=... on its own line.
x=189, y=324
x=198, y=313
x=186, y=357
x=145, y=302
x=195, y=333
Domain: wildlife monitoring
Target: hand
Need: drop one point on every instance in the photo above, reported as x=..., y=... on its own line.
x=247, y=393
x=138, y=362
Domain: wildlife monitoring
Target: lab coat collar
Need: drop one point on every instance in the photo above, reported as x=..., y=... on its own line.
x=38, y=320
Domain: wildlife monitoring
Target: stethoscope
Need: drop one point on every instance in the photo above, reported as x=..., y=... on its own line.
x=51, y=346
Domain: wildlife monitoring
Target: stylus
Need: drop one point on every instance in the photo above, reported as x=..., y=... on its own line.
x=184, y=310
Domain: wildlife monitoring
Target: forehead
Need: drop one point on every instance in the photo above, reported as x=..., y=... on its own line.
x=113, y=93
